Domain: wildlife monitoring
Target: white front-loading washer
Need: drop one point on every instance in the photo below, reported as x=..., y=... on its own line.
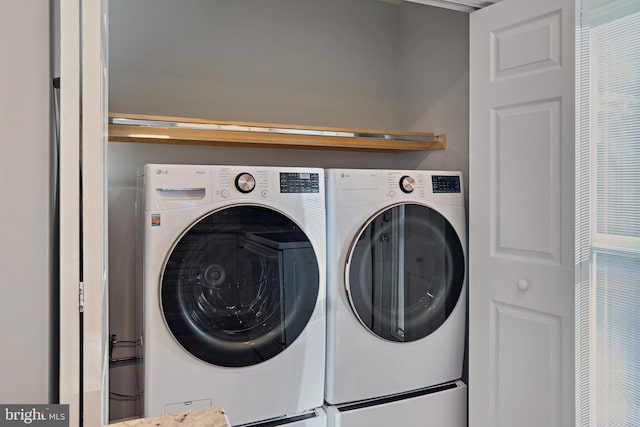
x=233, y=289
x=396, y=281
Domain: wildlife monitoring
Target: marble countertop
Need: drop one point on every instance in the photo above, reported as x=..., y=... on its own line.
x=203, y=417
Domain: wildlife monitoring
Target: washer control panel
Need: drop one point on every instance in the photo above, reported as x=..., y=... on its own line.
x=445, y=184
x=245, y=182
x=299, y=182
x=407, y=184
x=264, y=182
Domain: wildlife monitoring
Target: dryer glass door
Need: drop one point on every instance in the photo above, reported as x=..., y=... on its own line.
x=239, y=286
x=405, y=272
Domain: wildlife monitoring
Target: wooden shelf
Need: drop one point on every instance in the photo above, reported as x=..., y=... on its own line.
x=189, y=131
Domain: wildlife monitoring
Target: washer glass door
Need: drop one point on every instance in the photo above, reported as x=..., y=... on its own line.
x=239, y=286
x=405, y=272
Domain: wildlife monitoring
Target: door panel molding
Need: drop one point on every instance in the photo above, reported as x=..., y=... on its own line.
x=510, y=371
x=542, y=37
x=525, y=142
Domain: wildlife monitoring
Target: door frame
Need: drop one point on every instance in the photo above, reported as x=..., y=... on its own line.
x=83, y=381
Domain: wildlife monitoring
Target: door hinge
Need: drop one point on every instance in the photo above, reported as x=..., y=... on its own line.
x=81, y=296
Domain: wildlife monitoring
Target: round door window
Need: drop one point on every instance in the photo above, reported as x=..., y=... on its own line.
x=405, y=272
x=239, y=286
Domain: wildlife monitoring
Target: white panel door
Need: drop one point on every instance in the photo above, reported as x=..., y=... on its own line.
x=83, y=113
x=95, y=361
x=69, y=217
x=521, y=231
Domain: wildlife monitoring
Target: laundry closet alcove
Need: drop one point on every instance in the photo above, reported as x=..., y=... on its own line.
x=324, y=65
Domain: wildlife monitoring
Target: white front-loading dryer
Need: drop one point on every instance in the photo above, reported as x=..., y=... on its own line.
x=396, y=281
x=233, y=289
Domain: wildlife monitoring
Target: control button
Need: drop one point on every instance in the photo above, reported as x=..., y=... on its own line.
x=245, y=182
x=224, y=193
x=265, y=193
x=392, y=193
x=523, y=285
x=407, y=184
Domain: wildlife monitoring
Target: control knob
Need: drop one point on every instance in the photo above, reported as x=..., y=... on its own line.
x=245, y=182
x=407, y=184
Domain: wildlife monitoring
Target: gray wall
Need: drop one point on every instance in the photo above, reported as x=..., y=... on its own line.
x=25, y=229
x=329, y=62
x=351, y=63
x=434, y=78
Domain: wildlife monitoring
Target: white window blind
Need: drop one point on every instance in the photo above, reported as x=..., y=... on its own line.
x=608, y=206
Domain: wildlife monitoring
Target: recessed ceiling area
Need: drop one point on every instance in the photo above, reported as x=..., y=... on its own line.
x=461, y=5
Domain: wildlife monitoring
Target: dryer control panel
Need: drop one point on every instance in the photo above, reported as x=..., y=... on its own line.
x=407, y=184
x=410, y=184
x=445, y=183
x=299, y=182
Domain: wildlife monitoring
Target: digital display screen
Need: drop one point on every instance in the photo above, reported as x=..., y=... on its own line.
x=445, y=184
x=296, y=182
